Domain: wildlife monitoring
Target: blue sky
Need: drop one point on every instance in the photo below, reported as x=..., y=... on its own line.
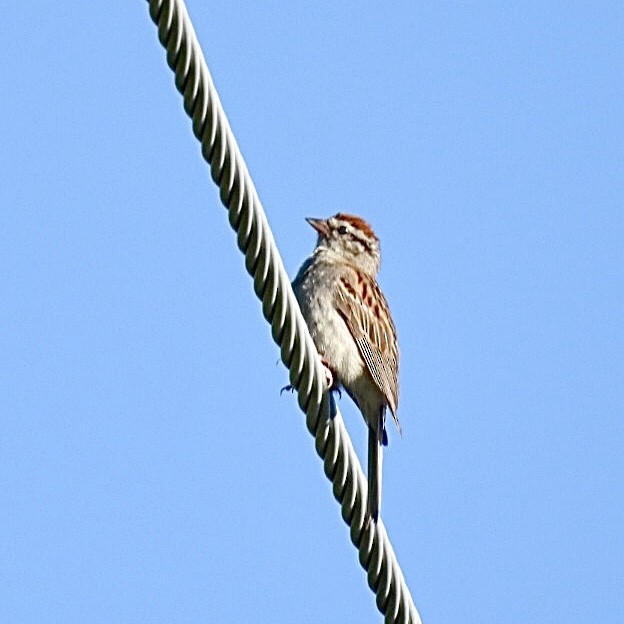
x=149, y=468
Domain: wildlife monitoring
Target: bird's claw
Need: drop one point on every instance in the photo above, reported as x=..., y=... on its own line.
x=329, y=381
x=329, y=378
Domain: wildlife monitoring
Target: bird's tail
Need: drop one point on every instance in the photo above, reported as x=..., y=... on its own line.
x=375, y=457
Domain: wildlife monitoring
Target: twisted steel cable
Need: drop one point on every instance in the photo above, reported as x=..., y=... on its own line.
x=280, y=308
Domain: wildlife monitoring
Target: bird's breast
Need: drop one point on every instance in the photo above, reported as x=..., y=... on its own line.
x=315, y=289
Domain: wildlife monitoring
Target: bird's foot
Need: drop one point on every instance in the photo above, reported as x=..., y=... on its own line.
x=330, y=383
x=329, y=378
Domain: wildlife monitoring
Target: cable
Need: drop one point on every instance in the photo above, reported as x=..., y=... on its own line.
x=280, y=307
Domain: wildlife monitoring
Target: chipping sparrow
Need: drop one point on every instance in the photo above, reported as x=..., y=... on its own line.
x=350, y=323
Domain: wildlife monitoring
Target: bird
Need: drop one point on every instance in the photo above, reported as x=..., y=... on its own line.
x=350, y=323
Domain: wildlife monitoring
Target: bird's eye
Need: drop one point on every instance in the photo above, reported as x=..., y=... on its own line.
x=342, y=230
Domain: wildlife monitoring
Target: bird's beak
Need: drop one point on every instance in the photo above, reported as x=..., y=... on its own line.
x=320, y=225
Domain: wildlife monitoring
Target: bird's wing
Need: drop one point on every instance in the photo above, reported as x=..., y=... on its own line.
x=364, y=309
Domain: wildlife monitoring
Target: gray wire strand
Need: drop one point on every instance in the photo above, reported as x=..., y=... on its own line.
x=279, y=306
